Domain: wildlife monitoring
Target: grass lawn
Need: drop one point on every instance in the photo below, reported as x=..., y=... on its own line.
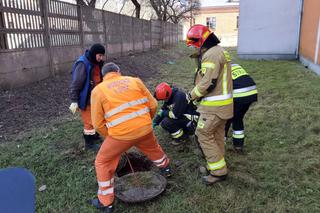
x=279, y=172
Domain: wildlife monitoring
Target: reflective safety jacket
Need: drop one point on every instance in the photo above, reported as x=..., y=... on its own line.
x=122, y=107
x=244, y=88
x=177, y=105
x=213, y=83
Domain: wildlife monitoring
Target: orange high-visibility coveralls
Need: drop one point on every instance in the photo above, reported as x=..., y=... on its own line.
x=86, y=113
x=122, y=112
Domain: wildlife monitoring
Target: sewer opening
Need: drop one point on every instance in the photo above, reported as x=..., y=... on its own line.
x=138, y=161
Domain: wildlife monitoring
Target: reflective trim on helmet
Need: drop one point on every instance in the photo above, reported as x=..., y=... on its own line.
x=217, y=165
x=127, y=117
x=205, y=35
x=125, y=106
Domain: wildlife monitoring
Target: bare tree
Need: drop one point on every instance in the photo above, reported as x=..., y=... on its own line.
x=90, y=3
x=174, y=10
x=137, y=7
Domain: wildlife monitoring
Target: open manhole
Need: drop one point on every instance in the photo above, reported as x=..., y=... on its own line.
x=138, y=161
x=142, y=185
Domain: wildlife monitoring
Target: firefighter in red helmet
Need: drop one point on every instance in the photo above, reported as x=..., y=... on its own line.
x=176, y=115
x=213, y=90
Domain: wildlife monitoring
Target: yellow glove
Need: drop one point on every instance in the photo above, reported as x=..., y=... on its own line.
x=73, y=107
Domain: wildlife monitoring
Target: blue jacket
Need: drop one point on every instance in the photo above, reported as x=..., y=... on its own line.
x=82, y=83
x=83, y=96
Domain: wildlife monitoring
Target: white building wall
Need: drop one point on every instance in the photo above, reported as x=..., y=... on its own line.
x=269, y=29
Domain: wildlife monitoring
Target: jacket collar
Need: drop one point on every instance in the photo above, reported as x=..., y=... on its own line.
x=111, y=75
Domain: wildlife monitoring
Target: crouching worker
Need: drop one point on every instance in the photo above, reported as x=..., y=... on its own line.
x=176, y=115
x=122, y=112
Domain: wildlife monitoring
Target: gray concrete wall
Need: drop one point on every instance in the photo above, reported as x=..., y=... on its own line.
x=23, y=67
x=65, y=34
x=269, y=29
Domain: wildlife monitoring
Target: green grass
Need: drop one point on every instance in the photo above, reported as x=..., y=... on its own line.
x=279, y=172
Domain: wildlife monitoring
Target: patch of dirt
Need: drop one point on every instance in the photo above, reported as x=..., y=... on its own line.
x=39, y=103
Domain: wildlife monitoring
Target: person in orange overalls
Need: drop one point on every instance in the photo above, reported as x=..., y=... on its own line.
x=86, y=74
x=122, y=109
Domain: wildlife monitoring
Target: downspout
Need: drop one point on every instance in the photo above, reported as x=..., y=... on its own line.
x=299, y=30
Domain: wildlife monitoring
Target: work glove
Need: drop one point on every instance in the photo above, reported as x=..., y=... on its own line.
x=73, y=107
x=157, y=120
x=192, y=102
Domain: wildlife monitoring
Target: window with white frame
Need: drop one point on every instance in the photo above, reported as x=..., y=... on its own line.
x=211, y=22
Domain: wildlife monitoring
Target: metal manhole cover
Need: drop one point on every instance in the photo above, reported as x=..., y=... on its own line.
x=139, y=187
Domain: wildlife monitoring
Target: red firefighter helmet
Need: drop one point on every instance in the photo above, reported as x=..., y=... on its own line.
x=197, y=35
x=163, y=91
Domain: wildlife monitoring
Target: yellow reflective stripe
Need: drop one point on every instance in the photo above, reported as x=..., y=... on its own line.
x=197, y=92
x=200, y=125
x=245, y=94
x=171, y=115
x=205, y=35
x=177, y=134
x=208, y=65
x=217, y=103
x=217, y=165
x=238, y=136
x=227, y=56
x=224, y=81
x=238, y=71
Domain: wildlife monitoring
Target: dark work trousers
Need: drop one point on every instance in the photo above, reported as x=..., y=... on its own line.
x=176, y=127
x=239, y=111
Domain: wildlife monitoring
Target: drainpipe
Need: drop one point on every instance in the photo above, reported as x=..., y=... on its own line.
x=299, y=30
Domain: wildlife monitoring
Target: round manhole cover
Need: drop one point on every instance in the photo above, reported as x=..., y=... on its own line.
x=139, y=186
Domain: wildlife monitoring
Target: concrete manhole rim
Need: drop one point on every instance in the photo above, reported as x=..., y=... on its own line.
x=160, y=189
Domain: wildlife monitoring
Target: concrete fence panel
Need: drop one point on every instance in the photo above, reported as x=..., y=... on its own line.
x=39, y=38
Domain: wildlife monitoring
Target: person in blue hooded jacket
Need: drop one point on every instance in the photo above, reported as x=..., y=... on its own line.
x=86, y=74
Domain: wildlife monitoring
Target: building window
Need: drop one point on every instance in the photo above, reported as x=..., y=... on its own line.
x=211, y=22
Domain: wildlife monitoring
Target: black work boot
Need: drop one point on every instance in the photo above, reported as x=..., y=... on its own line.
x=90, y=144
x=105, y=209
x=238, y=146
x=181, y=140
x=96, y=137
x=212, y=179
x=166, y=172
